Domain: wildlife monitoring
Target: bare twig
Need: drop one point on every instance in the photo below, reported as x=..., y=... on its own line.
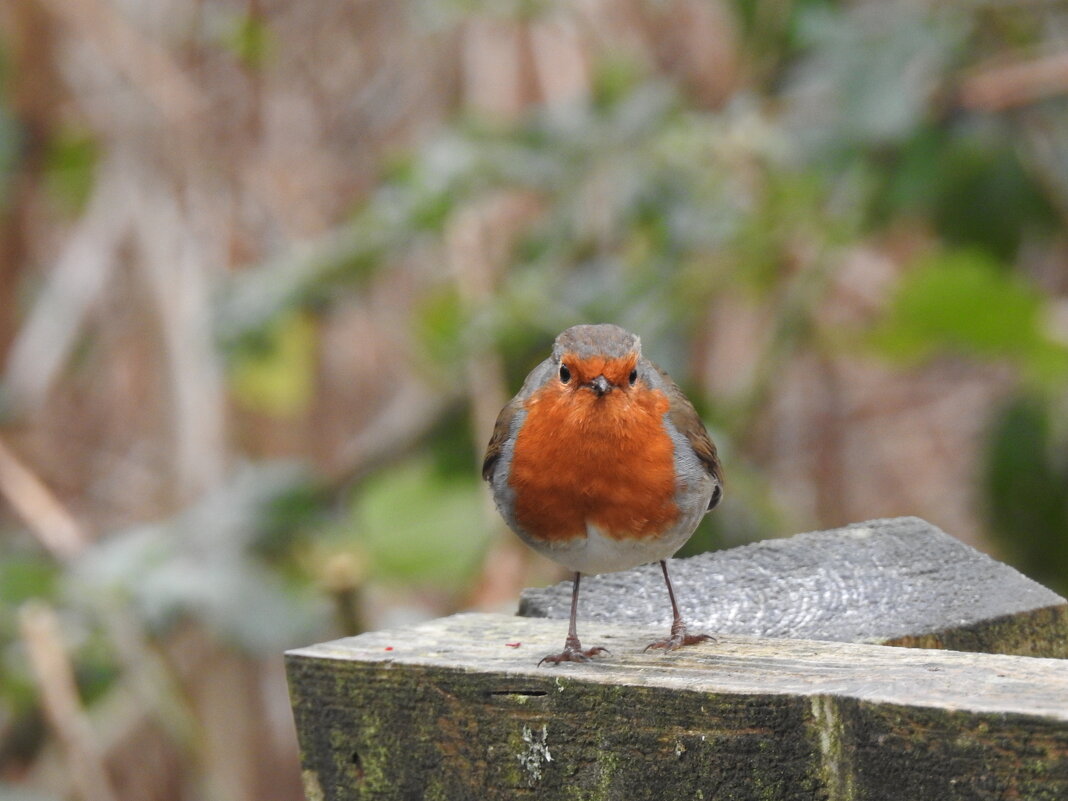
x=560, y=60
x=492, y=65
x=138, y=59
x=1004, y=86
x=412, y=410
x=178, y=261
x=150, y=679
x=478, y=243
x=475, y=266
x=59, y=694
x=74, y=285
x=39, y=508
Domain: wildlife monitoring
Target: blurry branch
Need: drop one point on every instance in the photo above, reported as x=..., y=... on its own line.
x=180, y=268
x=791, y=334
x=253, y=298
x=561, y=63
x=476, y=260
x=492, y=67
x=76, y=281
x=1045, y=157
x=475, y=244
x=152, y=683
x=138, y=59
x=543, y=58
x=1004, y=86
x=122, y=716
x=412, y=411
x=43, y=514
x=59, y=694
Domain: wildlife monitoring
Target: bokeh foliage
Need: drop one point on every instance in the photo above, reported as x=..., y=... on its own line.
x=651, y=206
x=854, y=128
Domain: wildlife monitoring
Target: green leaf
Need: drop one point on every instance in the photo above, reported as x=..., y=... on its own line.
x=24, y=577
x=10, y=146
x=615, y=76
x=1024, y=476
x=278, y=377
x=440, y=324
x=961, y=301
x=416, y=526
x=249, y=39
x=70, y=164
x=984, y=196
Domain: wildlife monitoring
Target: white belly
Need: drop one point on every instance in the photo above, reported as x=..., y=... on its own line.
x=599, y=553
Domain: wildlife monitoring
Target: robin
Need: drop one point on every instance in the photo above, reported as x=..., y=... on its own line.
x=602, y=464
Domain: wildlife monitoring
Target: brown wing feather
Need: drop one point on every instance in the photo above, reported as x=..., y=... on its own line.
x=500, y=434
x=685, y=418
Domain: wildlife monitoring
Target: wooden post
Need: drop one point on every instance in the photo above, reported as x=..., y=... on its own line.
x=458, y=709
x=899, y=581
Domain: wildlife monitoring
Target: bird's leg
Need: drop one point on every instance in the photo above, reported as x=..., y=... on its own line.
x=572, y=647
x=678, y=637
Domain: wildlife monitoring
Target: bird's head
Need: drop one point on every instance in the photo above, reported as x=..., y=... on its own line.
x=596, y=361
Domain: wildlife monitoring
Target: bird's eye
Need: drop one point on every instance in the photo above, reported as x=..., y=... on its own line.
x=633, y=376
x=565, y=374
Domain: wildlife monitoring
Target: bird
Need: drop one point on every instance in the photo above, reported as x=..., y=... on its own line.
x=602, y=464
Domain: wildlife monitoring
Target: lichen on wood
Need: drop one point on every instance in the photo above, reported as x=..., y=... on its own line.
x=451, y=711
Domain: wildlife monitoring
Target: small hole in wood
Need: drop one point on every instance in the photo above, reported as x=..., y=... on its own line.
x=357, y=765
x=518, y=693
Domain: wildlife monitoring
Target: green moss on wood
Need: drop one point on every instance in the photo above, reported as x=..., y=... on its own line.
x=1039, y=632
x=745, y=720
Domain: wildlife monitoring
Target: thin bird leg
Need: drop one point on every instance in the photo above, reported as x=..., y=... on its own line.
x=572, y=640
x=678, y=637
x=677, y=618
x=572, y=647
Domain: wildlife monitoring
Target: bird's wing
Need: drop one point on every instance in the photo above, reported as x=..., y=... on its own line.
x=500, y=434
x=685, y=418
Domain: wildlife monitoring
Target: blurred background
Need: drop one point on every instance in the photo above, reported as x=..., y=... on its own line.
x=268, y=270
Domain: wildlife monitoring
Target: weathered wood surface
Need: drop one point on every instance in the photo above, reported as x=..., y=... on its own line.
x=457, y=709
x=897, y=581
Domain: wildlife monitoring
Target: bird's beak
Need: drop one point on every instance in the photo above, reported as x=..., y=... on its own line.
x=600, y=385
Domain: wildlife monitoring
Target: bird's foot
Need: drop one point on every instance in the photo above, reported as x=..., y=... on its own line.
x=679, y=637
x=573, y=652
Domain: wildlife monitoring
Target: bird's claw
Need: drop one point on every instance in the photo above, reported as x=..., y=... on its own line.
x=573, y=654
x=679, y=639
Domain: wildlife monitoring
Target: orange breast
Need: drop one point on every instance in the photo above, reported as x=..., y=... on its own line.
x=607, y=461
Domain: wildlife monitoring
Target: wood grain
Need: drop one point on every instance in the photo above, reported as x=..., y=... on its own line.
x=898, y=580
x=455, y=709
